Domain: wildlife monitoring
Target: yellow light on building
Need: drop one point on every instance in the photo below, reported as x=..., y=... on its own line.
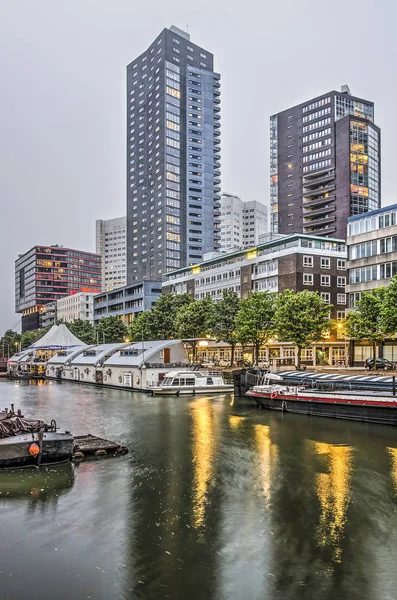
x=252, y=254
x=196, y=270
x=203, y=343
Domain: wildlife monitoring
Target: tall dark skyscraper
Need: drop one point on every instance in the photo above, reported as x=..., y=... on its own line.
x=324, y=164
x=173, y=157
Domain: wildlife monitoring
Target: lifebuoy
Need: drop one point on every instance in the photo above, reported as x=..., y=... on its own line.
x=274, y=394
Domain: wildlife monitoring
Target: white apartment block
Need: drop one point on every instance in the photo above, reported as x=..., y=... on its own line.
x=76, y=306
x=241, y=222
x=111, y=244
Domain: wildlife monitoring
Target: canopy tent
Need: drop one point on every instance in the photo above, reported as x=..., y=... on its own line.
x=58, y=336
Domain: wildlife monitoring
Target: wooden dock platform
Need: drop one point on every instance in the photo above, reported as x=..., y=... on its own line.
x=91, y=446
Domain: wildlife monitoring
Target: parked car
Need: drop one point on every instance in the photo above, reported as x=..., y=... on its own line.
x=380, y=363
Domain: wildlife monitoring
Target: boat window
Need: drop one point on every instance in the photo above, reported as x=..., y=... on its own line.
x=182, y=381
x=175, y=382
x=190, y=381
x=210, y=381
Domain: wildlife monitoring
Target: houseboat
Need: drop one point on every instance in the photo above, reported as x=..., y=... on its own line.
x=356, y=405
x=137, y=366
x=192, y=382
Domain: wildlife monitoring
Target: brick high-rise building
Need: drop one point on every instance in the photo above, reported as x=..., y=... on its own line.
x=324, y=164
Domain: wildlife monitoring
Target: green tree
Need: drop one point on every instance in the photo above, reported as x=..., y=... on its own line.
x=143, y=327
x=9, y=343
x=302, y=318
x=32, y=336
x=193, y=320
x=366, y=321
x=388, y=317
x=255, y=321
x=223, y=323
x=110, y=330
x=82, y=329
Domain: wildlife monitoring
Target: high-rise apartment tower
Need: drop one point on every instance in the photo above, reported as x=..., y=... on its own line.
x=324, y=164
x=173, y=156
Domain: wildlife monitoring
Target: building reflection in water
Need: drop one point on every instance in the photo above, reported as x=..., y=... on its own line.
x=333, y=491
x=393, y=456
x=267, y=454
x=203, y=449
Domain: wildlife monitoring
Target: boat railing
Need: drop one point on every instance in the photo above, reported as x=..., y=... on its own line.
x=165, y=365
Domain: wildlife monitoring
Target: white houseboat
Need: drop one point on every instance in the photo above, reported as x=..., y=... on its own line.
x=138, y=366
x=192, y=382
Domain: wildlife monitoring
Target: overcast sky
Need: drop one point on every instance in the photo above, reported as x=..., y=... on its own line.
x=62, y=99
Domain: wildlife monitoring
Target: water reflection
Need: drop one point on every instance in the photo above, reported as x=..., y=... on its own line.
x=37, y=487
x=203, y=449
x=267, y=458
x=333, y=491
x=393, y=456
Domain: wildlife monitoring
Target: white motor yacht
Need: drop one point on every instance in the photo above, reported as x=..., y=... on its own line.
x=185, y=382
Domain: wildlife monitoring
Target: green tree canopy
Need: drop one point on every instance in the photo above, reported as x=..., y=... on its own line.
x=193, y=320
x=302, y=318
x=388, y=317
x=110, y=330
x=223, y=322
x=255, y=321
x=9, y=342
x=159, y=322
x=82, y=329
x=143, y=327
x=365, y=322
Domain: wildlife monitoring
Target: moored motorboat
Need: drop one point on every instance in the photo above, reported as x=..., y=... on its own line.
x=355, y=405
x=189, y=382
x=30, y=442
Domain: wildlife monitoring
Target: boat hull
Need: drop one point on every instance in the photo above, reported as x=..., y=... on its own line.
x=56, y=448
x=192, y=391
x=382, y=414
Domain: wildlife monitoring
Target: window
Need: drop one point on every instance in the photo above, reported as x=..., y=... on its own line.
x=325, y=263
x=341, y=265
x=326, y=296
x=341, y=299
x=307, y=279
x=340, y=315
x=341, y=281
x=307, y=261
x=325, y=280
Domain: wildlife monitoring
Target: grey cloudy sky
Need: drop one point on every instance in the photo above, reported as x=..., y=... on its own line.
x=62, y=99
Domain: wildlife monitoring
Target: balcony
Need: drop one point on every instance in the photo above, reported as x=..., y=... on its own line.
x=308, y=181
x=322, y=189
x=320, y=211
x=318, y=222
x=319, y=201
x=323, y=231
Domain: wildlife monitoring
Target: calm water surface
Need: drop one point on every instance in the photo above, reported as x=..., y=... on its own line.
x=216, y=500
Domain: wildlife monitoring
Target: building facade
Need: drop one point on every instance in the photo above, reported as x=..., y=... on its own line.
x=111, y=244
x=372, y=262
x=127, y=302
x=296, y=262
x=242, y=223
x=45, y=274
x=324, y=164
x=173, y=156
x=76, y=306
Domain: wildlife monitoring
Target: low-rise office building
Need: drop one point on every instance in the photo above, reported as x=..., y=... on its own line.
x=126, y=302
x=76, y=306
x=297, y=262
x=372, y=262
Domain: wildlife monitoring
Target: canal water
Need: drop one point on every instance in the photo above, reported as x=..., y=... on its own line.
x=216, y=500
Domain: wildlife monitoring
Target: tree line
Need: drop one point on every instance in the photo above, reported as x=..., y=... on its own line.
x=298, y=317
